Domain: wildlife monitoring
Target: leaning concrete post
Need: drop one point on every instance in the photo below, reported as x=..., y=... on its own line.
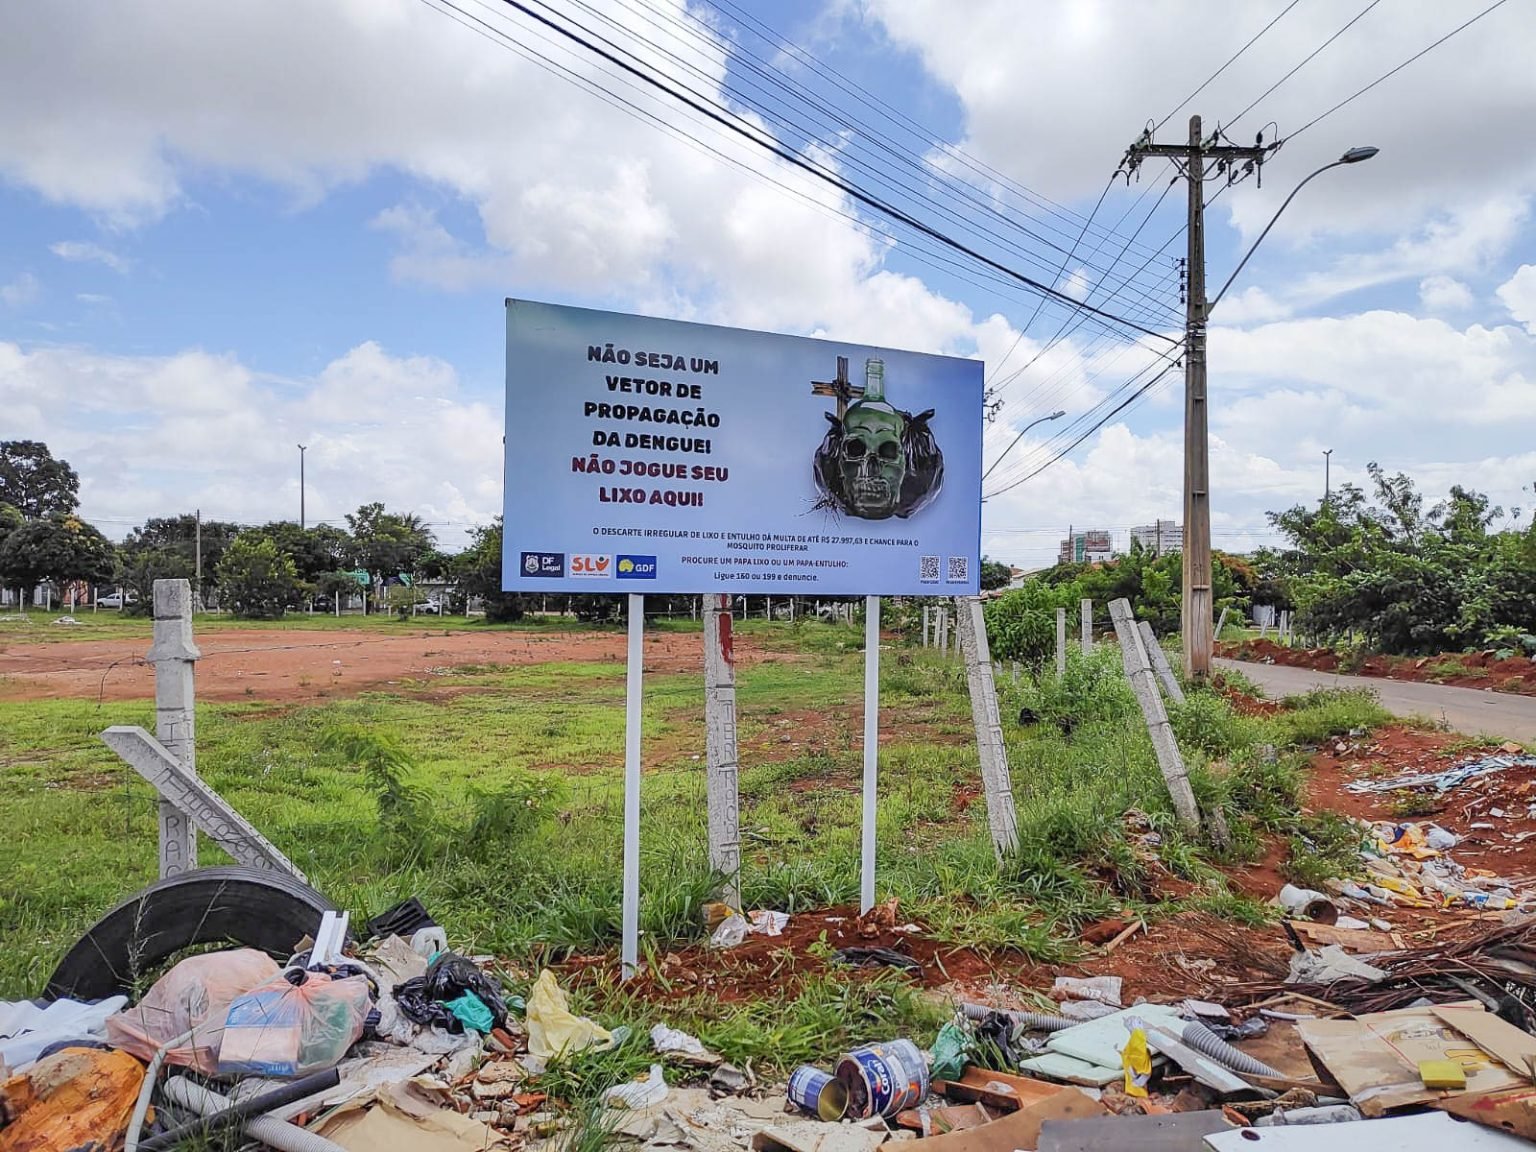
x=723, y=797
x=1087, y=627
x=1159, y=661
x=996, y=783
x=175, y=656
x=1169, y=761
x=1221, y=621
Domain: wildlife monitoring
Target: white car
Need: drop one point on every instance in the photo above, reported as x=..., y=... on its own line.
x=115, y=600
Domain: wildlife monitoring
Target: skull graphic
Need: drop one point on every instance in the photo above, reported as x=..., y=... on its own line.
x=877, y=461
x=873, y=460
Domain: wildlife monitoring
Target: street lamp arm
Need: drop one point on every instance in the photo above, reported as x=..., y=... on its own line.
x=1060, y=412
x=1265, y=233
x=1353, y=156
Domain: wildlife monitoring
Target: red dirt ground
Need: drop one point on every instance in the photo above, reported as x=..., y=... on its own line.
x=1516, y=675
x=281, y=665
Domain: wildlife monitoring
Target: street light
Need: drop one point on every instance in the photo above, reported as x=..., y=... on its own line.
x=1056, y=415
x=301, y=487
x=1327, y=474
x=1353, y=156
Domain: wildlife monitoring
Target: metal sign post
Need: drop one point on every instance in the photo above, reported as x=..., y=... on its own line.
x=871, y=750
x=630, y=951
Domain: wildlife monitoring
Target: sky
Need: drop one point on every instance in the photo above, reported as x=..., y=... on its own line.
x=226, y=230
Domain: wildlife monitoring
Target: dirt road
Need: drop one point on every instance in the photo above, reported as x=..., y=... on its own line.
x=283, y=665
x=1468, y=710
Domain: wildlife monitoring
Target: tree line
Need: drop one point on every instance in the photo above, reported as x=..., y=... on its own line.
x=259, y=572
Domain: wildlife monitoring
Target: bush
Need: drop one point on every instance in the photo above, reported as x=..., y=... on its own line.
x=1208, y=722
x=256, y=580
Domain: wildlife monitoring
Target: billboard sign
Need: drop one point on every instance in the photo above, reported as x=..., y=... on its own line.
x=649, y=455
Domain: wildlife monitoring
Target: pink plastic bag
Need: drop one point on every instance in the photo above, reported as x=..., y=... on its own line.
x=285, y=1028
x=193, y=996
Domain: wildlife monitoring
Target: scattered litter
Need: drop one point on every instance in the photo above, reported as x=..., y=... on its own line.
x=294, y=1024
x=1327, y=1114
x=640, y=1093
x=27, y=1029
x=1448, y=779
x=865, y=957
x=768, y=923
x=731, y=932
x=1136, y=1059
x=1104, y=989
x=1307, y=904
x=552, y=1027
x=815, y=1092
x=884, y=1079
x=1442, y=1074
x=1328, y=965
x=729, y=1080
x=71, y=1099
x=678, y=1044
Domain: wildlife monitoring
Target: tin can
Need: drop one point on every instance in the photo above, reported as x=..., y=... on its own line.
x=813, y=1091
x=884, y=1079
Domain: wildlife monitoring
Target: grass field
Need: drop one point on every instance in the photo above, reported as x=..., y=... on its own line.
x=494, y=794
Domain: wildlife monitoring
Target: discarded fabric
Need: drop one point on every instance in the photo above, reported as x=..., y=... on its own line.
x=553, y=1028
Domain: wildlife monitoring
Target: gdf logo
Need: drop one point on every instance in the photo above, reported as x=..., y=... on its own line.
x=599, y=567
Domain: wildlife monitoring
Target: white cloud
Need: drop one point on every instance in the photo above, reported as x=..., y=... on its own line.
x=21, y=291
x=1444, y=294
x=154, y=435
x=79, y=251
x=1518, y=294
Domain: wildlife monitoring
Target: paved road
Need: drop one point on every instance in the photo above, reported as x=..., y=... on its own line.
x=1468, y=710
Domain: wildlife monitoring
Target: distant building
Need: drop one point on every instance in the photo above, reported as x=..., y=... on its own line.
x=1089, y=547
x=1160, y=538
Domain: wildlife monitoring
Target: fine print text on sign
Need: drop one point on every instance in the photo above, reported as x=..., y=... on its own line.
x=660, y=456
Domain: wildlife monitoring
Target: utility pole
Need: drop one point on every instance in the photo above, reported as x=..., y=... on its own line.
x=1197, y=159
x=197, y=588
x=301, y=487
x=1327, y=474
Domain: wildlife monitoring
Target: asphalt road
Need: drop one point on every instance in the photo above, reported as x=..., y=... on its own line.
x=1468, y=710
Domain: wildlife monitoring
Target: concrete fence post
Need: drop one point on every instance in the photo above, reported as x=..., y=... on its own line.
x=175, y=657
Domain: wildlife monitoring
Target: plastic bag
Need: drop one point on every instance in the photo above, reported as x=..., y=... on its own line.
x=298, y=1023
x=732, y=931
x=426, y=999
x=950, y=1052
x=638, y=1094
x=194, y=996
x=553, y=1028
x=1137, y=1059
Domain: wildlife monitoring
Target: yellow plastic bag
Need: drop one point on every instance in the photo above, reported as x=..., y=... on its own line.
x=1137, y=1060
x=553, y=1029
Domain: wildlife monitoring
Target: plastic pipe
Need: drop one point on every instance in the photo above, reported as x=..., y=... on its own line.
x=147, y=1091
x=1033, y=1021
x=269, y=1130
x=237, y=1112
x=1207, y=1043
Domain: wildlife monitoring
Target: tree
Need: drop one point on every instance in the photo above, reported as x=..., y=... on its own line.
x=10, y=520
x=59, y=548
x=166, y=548
x=256, y=579
x=478, y=572
x=34, y=483
x=388, y=543
x=314, y=551
x=994, y=574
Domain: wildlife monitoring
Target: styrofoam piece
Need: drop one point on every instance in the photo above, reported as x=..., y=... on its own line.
x=1071, y=1070
x=1427, y=1132
x=1101, y=1041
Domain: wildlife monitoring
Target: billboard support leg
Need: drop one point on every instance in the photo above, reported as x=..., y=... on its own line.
x=871, y=750
x=631, y=946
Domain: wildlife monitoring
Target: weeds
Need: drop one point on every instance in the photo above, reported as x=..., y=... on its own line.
x=1323, y=847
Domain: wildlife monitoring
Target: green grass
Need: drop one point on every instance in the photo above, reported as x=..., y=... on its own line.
x=501, y=808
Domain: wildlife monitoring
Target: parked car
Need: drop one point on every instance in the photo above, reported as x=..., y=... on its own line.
x=115, y=599
x=431, y=606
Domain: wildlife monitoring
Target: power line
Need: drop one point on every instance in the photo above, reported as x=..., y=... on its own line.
x=1097, y=425
x=1230, y=61
x=846, y=187
x=1304, y=63
x=1399, y=68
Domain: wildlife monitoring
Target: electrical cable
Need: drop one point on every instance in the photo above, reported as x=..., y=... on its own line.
x=1304, y=63
x=1399, y=68
x=1097, y=425
x=1230, y=61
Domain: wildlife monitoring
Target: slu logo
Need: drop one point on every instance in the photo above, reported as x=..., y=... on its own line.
x=592, y=566
x=637, y=568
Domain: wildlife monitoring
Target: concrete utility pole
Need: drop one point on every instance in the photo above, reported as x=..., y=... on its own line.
x=1327, y=474
x=302, y=449
x=1194, y=160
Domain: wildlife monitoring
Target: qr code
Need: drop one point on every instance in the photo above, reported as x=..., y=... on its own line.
x=958, y=570
x=928, y=570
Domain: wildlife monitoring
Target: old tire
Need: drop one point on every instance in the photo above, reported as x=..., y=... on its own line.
x=254, y=908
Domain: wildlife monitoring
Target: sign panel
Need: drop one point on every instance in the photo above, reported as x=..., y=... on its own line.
x=660, y=456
